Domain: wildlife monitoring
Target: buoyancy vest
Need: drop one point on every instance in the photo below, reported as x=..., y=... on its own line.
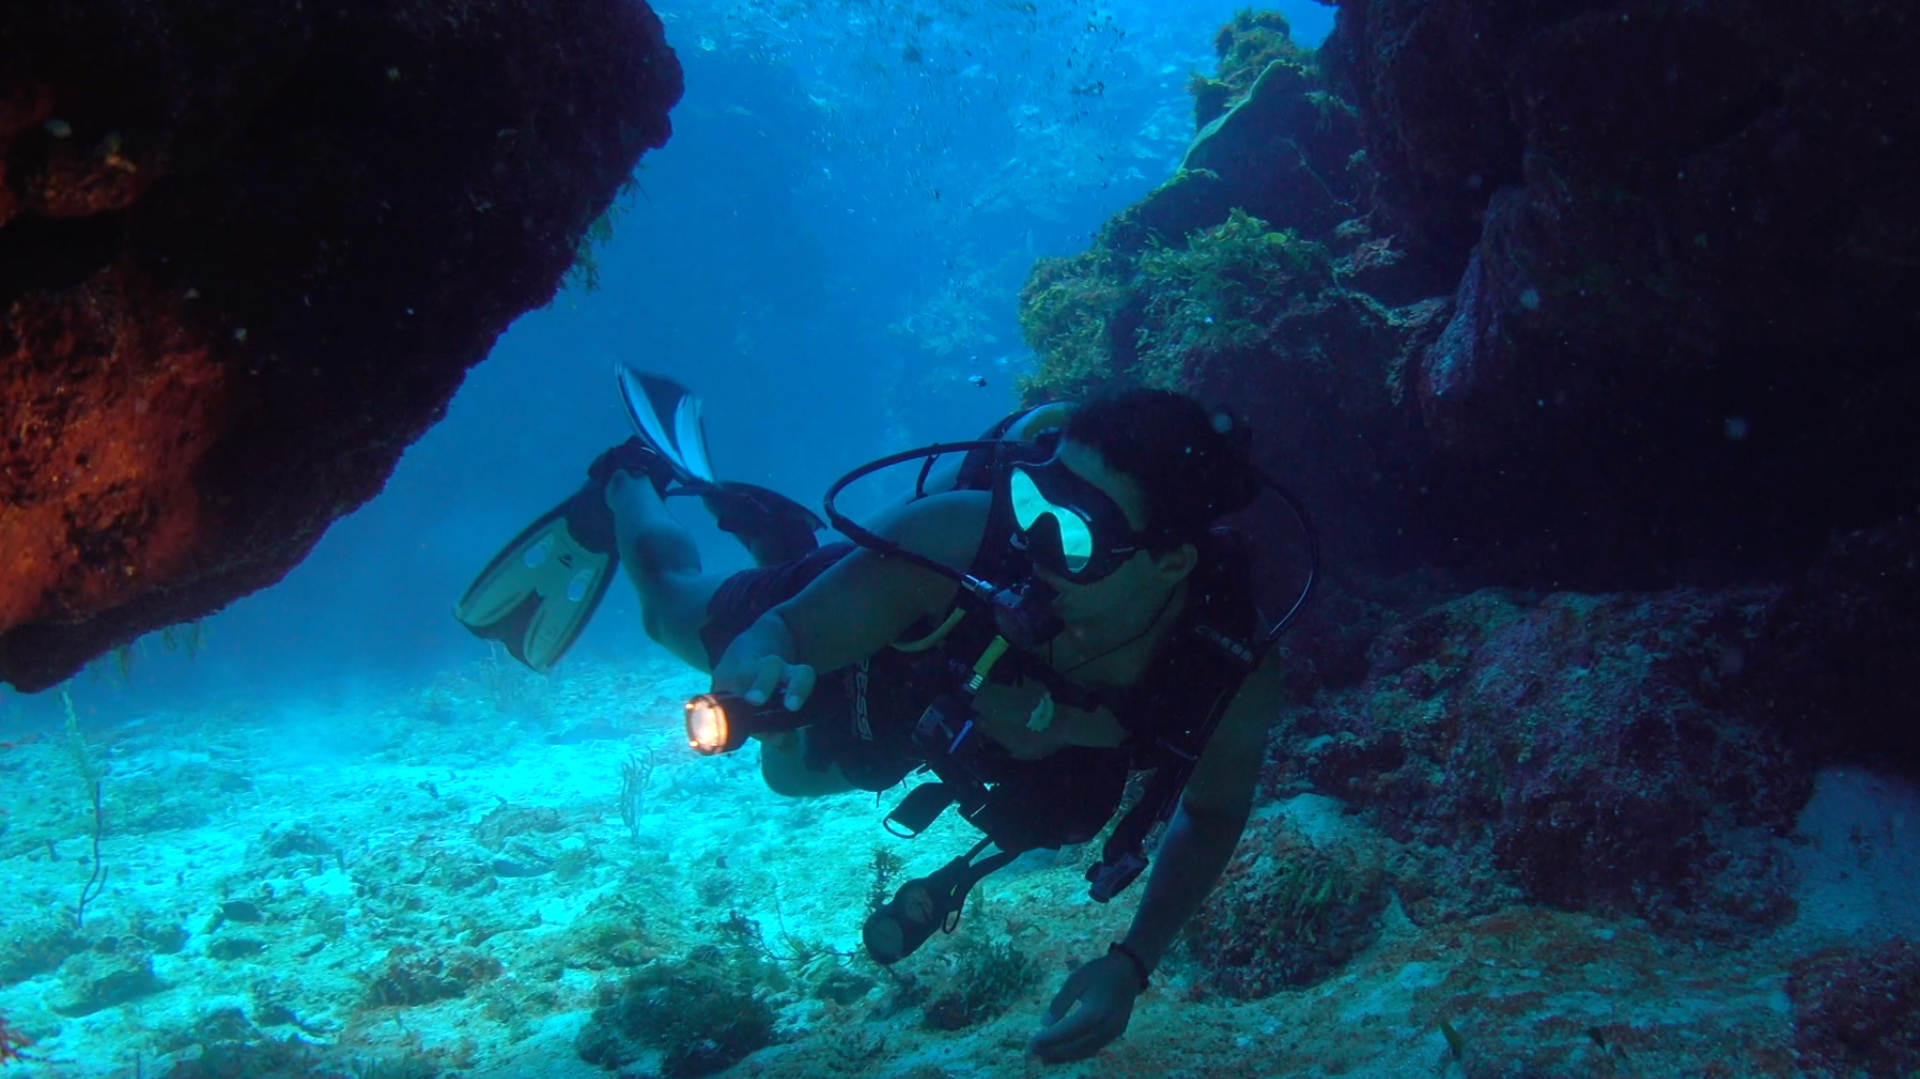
x=1069, y=795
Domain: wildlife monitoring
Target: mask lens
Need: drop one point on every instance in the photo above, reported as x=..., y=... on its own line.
x=1076, y=541
x=1029, y=505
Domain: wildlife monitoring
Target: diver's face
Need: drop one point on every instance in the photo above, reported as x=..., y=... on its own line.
x=1142, y=581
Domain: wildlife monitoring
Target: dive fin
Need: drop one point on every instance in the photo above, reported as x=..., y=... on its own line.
x=772, y=527
x=667, y=417
x=540, y=591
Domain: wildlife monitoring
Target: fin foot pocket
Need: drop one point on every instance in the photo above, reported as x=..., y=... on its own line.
x=772, y=527
x=634, y=456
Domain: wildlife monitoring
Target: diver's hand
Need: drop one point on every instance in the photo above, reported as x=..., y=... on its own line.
x=772, y=677
x=1104, y=990
x=759, y=674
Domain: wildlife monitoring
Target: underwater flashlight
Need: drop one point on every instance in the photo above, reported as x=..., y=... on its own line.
x=722, y=722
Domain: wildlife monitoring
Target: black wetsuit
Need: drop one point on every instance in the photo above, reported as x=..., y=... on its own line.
x=862, y=716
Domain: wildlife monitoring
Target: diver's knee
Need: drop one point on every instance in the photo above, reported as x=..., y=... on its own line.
x=656, y=624
x=783, y=767
x=673, y=606
x=785, y=786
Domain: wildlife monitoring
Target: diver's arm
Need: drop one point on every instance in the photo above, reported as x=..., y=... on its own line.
x=1094, y=1005
x=860, y=605
x=1213, y=812
x=867, y=600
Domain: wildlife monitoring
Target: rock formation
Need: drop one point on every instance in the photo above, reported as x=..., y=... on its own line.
x=248, y=251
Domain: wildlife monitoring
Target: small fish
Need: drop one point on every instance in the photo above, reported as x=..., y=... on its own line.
x=978, y=380
x=1455, y=1042
x=1607, y=1049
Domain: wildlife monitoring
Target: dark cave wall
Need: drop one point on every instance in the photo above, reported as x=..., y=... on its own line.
x=247, y=253
x=1683, y=336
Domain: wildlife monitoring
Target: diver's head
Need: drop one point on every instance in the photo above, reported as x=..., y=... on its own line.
x=1113, y=518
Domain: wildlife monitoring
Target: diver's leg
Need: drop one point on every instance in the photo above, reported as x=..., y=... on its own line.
x=783, y=766
x=664, y=566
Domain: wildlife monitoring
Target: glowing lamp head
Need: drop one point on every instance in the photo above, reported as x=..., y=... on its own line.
x=708, y=730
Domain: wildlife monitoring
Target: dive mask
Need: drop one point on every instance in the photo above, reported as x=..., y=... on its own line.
x=1066, y=525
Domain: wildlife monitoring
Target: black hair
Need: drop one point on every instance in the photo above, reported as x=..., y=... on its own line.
x=1192, y=463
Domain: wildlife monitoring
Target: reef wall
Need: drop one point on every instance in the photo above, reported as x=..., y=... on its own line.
x=1588, y=333
x=248, y=251
x=1612, y=295
x=1691, y=248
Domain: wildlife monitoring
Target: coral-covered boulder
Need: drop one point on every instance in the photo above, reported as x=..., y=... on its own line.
x=1271, y=143
x=1291, y=907
x=248, y=251
x=1571, y=743
x=1239, y=311
x=700, y=1015
x=1281, y=154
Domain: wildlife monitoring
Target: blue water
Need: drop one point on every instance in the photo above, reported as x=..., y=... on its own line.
x=786, y=256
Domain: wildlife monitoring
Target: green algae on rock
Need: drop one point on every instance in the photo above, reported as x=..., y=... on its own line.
x=1245, y=47
x=1288, y=912
x=1151, y=319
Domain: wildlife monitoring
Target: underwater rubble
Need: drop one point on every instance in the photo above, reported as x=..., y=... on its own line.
x=462, y=901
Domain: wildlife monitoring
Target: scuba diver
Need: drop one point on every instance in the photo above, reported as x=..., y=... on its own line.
x=1049, y=612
